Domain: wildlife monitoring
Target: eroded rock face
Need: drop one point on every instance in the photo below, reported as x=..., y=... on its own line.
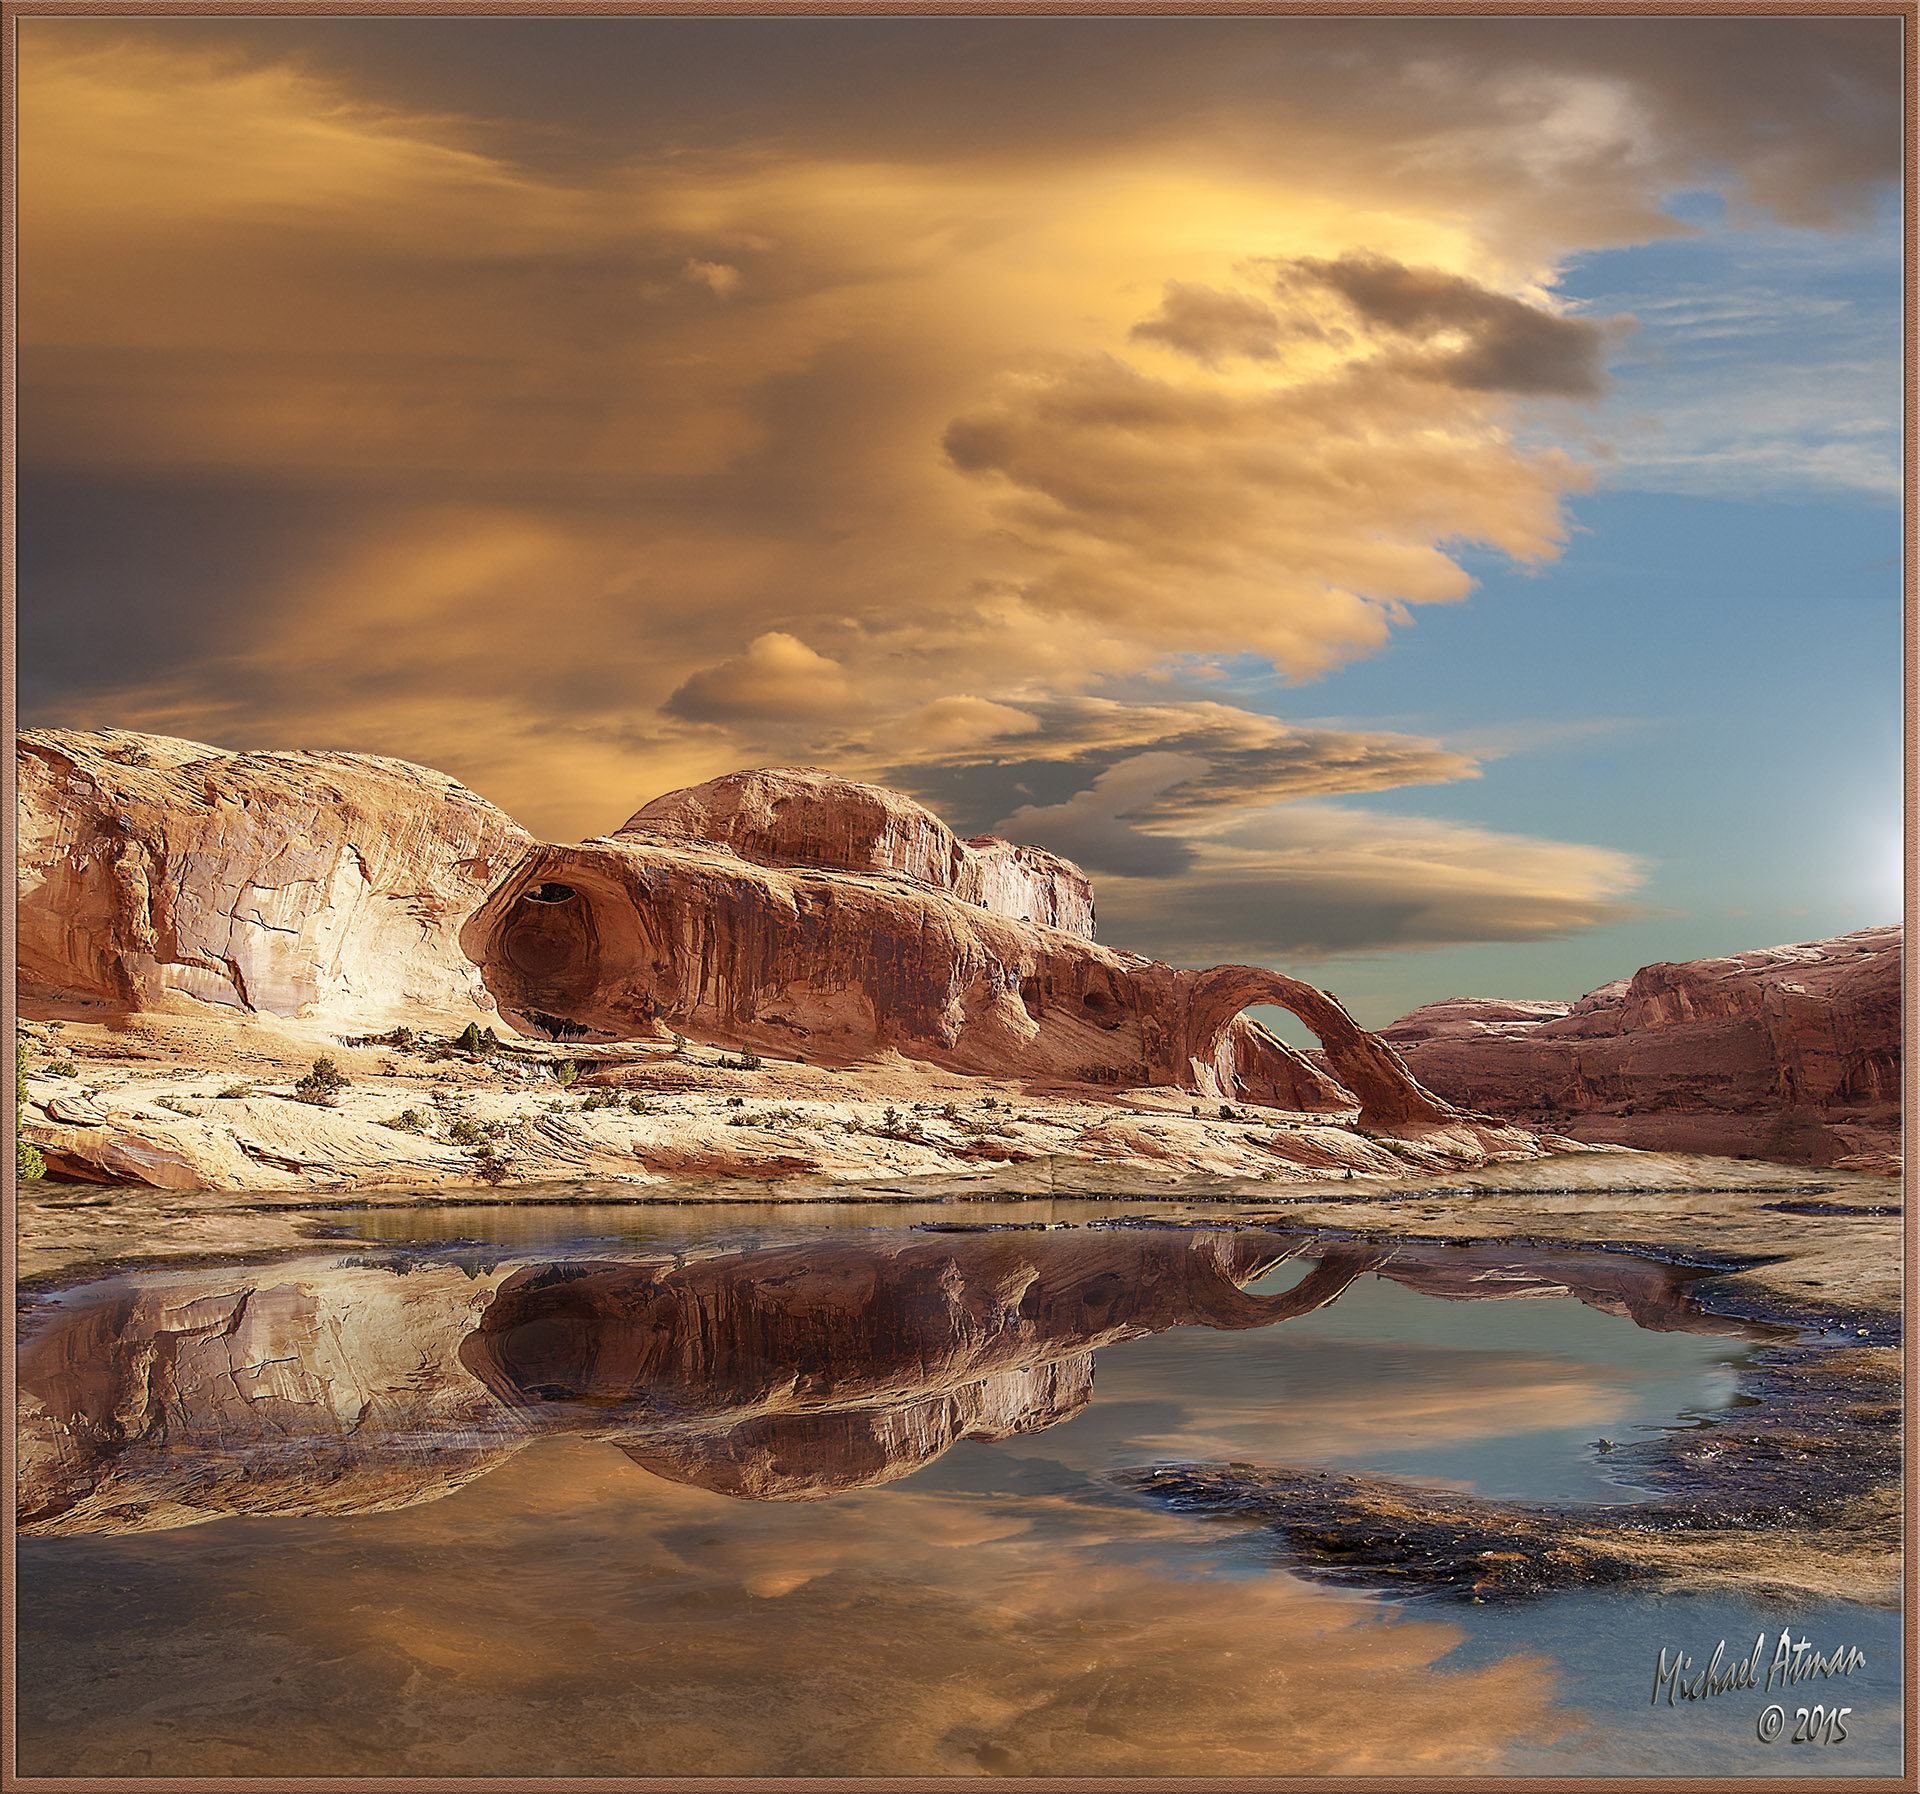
x=785, y=909
x=630, y=936
x=804, y=817
x=167, y=876
x=1789, y=1052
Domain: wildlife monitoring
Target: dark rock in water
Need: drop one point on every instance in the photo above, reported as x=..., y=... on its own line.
x=1818, y=1450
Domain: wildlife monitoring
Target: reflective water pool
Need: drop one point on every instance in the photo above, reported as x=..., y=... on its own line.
x=701, y=1491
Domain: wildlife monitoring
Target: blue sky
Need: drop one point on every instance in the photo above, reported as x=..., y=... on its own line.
x=1710, y=677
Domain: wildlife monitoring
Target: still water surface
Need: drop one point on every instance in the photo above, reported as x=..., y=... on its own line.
x=791, y=1492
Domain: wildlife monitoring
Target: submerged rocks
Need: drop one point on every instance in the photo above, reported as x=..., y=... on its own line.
x=1789, y=1053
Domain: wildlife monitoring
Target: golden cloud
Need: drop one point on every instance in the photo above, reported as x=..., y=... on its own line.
x=650, y=447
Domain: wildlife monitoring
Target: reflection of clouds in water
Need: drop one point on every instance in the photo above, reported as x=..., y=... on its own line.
x=1301, y=1424
x=572, y=1615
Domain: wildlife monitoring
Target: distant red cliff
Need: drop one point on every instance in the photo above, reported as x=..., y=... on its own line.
x=1788, y=1053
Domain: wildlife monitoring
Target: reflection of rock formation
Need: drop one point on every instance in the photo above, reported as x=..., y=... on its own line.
x=805, y=1370
x=1652, y=1296
x=788, y=1373
x=1788, y=1053
x=331, y=1387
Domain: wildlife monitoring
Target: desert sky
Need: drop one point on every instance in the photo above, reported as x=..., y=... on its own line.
x=1411, y=500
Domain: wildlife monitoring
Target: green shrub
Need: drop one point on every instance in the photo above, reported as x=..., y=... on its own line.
x=409, y=1121
x=401, y=1040
x=321, y=1085
x=679, y=1041
x=566, y=1071
x=28, y=1161
x=233, y=1091
x=734, y=1102
x=463, y=1133
x=60, y=1068
x=639, y=1105
x=176, y=1105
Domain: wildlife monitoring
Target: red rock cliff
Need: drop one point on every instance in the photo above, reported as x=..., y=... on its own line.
x=1784, y=1052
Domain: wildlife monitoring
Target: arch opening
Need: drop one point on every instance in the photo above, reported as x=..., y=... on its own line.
x=1361, y=1062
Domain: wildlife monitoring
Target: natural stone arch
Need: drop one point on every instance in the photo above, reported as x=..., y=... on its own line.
x=1363, y=1062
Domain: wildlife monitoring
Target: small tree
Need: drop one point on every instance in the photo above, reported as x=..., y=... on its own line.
x=322, y=1085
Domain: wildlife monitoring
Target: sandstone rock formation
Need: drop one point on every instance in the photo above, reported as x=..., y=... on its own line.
x=630, y=935
x=1788, y=1053
x=160, y=875
x=802, y=816
x=789, y=910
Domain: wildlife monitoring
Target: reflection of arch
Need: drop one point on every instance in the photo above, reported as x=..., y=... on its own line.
x=1368, y=1067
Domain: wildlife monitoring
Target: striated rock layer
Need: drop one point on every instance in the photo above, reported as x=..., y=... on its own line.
x=1788, y=1053
x=158, y=875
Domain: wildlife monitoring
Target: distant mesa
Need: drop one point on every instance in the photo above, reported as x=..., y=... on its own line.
x=1784, y=1053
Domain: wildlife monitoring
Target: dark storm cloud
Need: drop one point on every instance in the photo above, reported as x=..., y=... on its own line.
x=1803, y=113
x=1510, y=346
x=1211, y=326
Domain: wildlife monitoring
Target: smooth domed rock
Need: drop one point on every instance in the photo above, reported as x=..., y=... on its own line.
x=802, y=816
x=167, y=876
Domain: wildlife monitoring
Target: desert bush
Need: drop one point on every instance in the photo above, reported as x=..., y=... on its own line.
x=638, y=1105
x=28, y=1161
x=462, y=1132
x=322, y=1085
x=409, y=1121
x=174, y=1103
x=60, y=1068
x=234, y=1092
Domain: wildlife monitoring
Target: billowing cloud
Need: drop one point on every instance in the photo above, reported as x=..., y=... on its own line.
x=1091, y=828
x=1308, y=881
x=1232, y=758
x=778, y=677
x=525, y=412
